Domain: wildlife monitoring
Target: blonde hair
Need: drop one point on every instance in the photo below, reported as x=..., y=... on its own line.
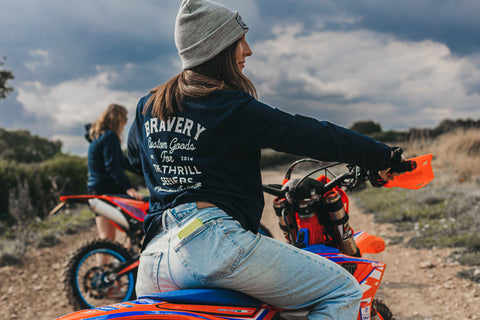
x=111, y=119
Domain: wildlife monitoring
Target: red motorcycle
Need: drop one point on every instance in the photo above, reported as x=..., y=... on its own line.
x=313, y=214
x=103, y=271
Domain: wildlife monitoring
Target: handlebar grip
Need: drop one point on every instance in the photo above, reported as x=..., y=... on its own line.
x=404, y=166
x=274, y=189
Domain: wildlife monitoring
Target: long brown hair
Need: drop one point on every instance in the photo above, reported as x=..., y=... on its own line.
x=219, y=73
x=111, y=119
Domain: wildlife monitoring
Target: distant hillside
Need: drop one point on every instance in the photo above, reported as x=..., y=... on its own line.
x=374, y=130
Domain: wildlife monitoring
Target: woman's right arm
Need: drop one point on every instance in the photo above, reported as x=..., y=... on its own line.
x=304, y=136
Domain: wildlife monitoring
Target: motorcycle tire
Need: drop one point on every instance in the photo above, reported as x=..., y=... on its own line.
x=382, y=309
x=85, y=275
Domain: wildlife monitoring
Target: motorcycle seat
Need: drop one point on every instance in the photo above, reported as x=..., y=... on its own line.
x=206, y=297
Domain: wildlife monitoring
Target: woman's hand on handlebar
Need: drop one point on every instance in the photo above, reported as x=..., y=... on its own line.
x=134, y=194
x=386, y=175
x=381, y=177
x=398, y=166
x=398, y=160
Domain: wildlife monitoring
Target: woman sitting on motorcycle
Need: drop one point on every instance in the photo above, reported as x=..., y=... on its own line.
x=197, y=139
x=106, y=162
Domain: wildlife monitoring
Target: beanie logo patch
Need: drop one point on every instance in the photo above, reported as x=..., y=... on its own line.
x=241, y=22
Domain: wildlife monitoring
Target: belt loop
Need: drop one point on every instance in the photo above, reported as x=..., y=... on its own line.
x=171, y=216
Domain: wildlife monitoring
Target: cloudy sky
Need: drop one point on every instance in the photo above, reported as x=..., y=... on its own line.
x=403, y=64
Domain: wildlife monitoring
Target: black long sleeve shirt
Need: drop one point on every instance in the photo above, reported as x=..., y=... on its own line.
x=211, y=152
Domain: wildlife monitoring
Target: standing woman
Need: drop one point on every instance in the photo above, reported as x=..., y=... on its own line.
x=106, y=162
x=197, y=139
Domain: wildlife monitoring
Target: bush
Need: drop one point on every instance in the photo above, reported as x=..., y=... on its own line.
x=43, y=183
x=389, y=136
x=22, y=146
x=471, y=274
x=366, y=127
x=11, y=252
x=11, y=175
x=65, y=174
x=271, y=158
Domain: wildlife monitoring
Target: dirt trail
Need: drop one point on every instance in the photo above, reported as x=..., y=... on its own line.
x=418, y=284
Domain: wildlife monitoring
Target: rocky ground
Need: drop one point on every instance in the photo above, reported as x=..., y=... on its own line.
x=417, y=285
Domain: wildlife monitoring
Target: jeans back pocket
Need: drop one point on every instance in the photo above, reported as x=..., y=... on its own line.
x=209, y=253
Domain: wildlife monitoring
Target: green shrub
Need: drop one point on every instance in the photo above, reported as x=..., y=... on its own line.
x=468, y=258
x=22, y=146
x=11, y=175
x=66, y=174
x=11, y=252
x=44, y=182
x=471, y=274
x=271, y=158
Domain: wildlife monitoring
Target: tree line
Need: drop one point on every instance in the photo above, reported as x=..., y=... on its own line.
x=22, y=146
x=374, y=130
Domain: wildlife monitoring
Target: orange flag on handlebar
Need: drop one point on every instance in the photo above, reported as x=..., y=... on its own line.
x=416, y=179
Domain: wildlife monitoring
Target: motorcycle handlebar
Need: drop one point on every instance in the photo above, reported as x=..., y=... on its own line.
x=274, y=190
x=404, y=166
x=278, y=191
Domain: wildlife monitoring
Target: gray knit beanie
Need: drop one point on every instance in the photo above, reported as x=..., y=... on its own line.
x=203, y=29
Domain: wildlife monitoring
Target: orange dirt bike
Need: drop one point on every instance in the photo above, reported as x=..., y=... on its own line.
x=313, y=214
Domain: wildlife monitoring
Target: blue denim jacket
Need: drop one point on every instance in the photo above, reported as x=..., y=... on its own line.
x=106, y=165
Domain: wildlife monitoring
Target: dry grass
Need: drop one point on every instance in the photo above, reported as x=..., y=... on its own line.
x=445, y=213
x=42, y=233
x=456, y=156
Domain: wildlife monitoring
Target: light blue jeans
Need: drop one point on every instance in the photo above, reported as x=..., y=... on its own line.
x=221, y=254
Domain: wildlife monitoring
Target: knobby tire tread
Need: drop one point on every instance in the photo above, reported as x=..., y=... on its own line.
x=382, y=309
x=72, y=294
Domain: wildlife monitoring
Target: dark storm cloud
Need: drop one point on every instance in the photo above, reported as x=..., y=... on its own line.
x=78, y=36
x=455, y=23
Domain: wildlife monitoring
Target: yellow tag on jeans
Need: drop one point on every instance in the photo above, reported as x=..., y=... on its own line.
x=189, y=228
